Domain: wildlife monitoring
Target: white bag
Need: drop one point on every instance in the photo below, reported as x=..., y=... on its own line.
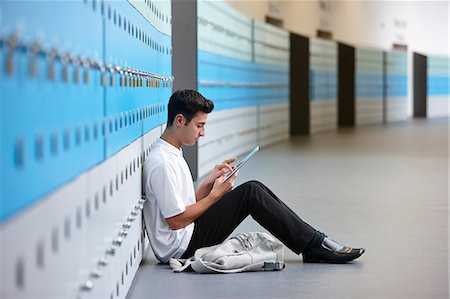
x=255, y=251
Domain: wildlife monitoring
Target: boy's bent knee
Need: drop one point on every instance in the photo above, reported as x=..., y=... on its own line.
x=252, y=186
x=254, y=182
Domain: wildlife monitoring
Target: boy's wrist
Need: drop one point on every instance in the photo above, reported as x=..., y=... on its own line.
x=207, y=184
x=214, y=197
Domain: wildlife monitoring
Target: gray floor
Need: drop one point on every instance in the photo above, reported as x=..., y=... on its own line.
x=383, y=187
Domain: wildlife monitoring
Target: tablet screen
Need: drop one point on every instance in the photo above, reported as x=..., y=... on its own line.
x=240, y=164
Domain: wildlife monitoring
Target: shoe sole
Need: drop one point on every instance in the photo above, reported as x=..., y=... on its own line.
x=343, y=261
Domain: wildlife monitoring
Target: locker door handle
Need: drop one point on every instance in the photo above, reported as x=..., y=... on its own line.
x=87, y=286
x=111, y=250
x=118, y=241
x=103, y=261
x=96, y=273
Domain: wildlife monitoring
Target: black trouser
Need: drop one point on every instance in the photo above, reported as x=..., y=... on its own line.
x=255, y=199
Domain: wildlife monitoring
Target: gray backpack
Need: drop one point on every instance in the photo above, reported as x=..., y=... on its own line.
x=255, y=251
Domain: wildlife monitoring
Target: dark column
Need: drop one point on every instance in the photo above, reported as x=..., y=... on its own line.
x=299, y=85
x=346, y=85
x=184, y=60
x=385, y=87
x=420, y=85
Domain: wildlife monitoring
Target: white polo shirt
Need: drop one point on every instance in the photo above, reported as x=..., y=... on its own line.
x=169, y=189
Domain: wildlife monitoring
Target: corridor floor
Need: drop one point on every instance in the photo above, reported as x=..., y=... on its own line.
x=382, y=187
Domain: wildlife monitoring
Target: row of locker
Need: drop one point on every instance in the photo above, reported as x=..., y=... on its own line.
x=343, y=85
x=271, y=35
x=243, y=65
x=230, y=98
x=370, y=80
x=438, y=85
x=369, y=69
x=243, y=49
x=92, y=245
x=271, y=44
x=269, y=55
x=224, y=31
x=438, y=76
x=71, y=100
x=157, y=12
x=323, y=71
x=221, y=69
x=57, y=65
x=65, y=31
x=323, y=115
x=431, y=85
x=233, y=83
x=246, y=127
x=380, y=75
x=53, y=125
x=225, y=14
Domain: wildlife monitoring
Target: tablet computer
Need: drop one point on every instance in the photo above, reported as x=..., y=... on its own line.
x=240, y=164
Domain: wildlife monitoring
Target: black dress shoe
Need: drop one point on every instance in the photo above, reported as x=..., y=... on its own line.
x=326, y=254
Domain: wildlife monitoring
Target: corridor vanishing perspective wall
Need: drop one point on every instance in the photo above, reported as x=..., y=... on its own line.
x=84, y=89
x=438, y=86
x=369, y=86
x=243, y=65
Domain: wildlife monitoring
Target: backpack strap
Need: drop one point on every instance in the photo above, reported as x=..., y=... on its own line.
x=180, y=265
x=201, y=266
x=273, y=266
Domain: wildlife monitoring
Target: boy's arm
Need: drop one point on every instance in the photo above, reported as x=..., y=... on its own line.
x=197, y=209
x=203, y=191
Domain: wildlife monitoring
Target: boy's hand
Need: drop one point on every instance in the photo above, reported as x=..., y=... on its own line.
x=220, y=169
x=220, y=188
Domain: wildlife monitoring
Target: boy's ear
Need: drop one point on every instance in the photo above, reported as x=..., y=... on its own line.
x=179, y=120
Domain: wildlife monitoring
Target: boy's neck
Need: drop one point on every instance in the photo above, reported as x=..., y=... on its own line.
x=171, y=137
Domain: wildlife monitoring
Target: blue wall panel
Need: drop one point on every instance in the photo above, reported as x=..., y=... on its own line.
x=396, y=85
x=49, y=119
x=438, y=76
x=323, y=85
x=233, y=83
x=369, y=74
x=241, y=62
x=369, y=86
x=88, y=77
x=323, y=70
x=396, y=75
x=438, y=85
x=122, y=28
x=148, y=50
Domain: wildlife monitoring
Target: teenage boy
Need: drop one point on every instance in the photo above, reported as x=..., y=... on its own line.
x=180, y=220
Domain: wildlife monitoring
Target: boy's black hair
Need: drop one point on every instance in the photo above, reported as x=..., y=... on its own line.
x=188, y=103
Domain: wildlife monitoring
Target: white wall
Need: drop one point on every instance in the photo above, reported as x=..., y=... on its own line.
x=255, y=9
x=299, y=16
x=302, y=17
x=422, y=25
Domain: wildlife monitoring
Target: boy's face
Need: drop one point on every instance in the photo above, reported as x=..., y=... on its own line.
x=195, y=129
